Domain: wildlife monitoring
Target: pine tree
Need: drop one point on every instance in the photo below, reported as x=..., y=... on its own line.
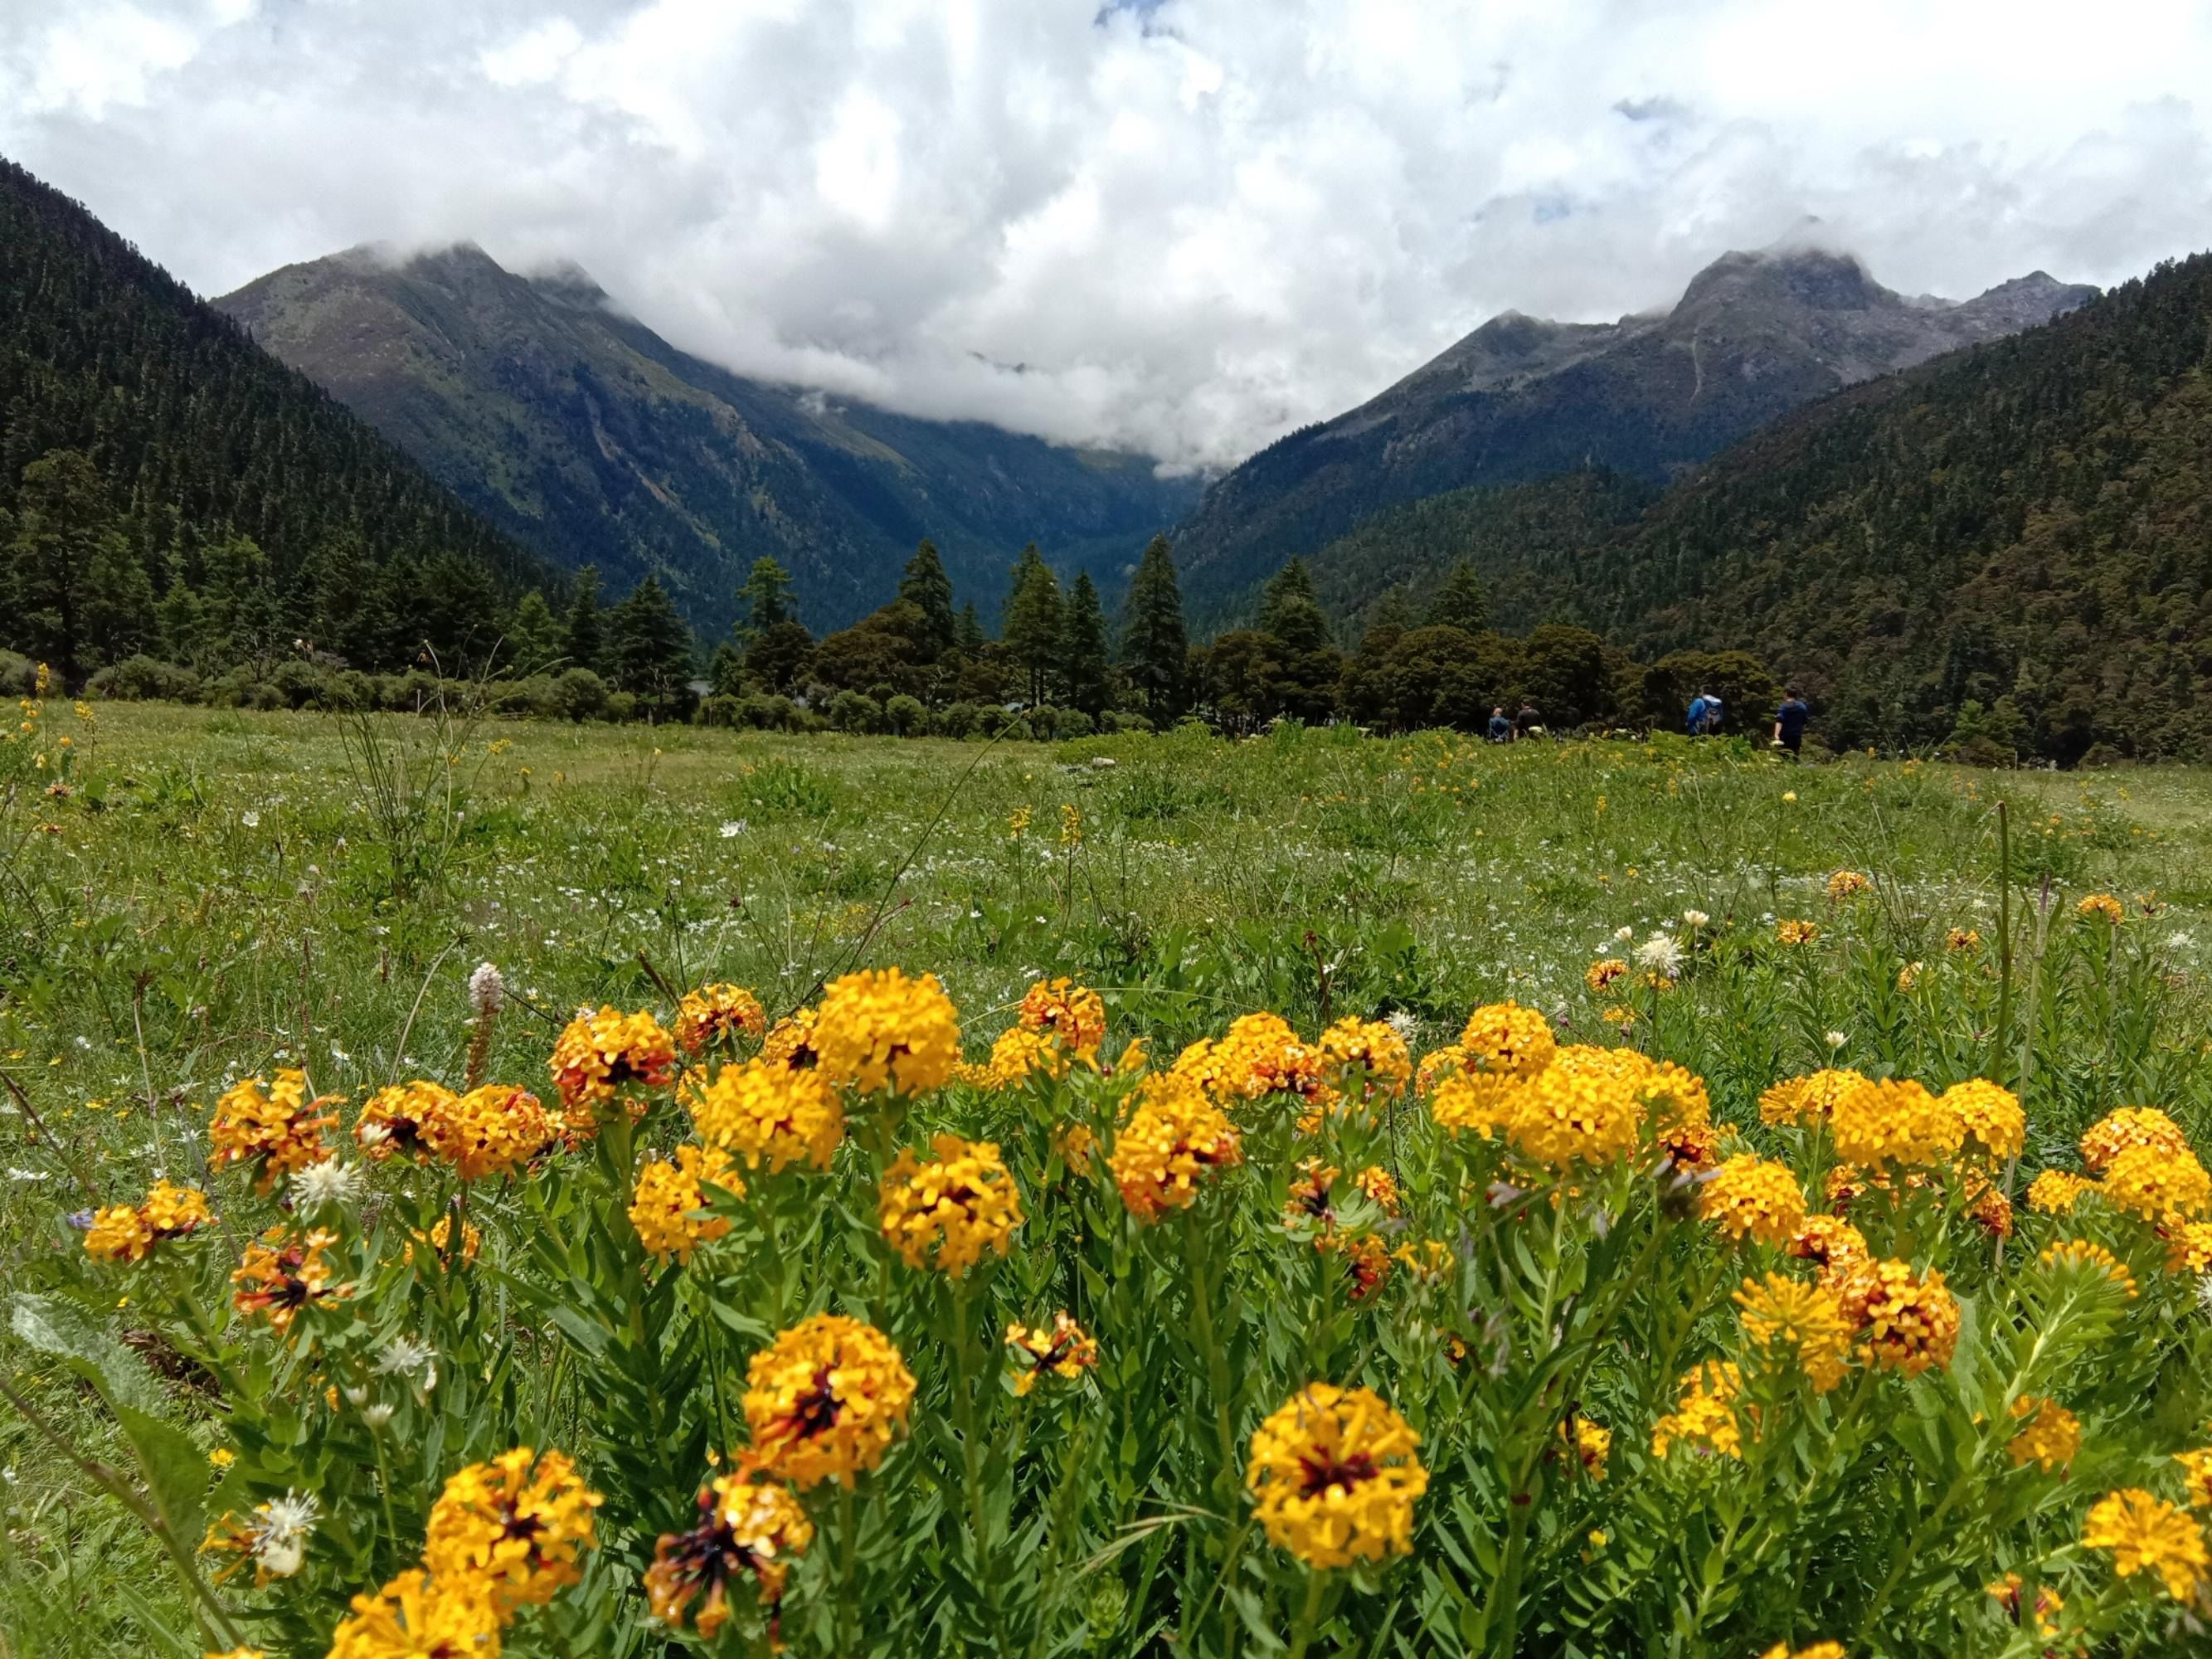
x=1032, y=628
x=1291, y=610
x=535, y=637
x=1155, y=645
x=767, y=599
x=925, y=584
x=969, y=638
x=1460, y=603
x=66, y=527
x=586, y=640
x=1086, y=662
x=649, y=647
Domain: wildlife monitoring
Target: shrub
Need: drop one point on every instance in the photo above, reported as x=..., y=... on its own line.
x=144, y=679
x=856, y=712
x=582, y=694
x=905, y=716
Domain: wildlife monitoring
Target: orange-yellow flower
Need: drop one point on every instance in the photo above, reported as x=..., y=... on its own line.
x=2131, y=1125
x=274, y=1126
x=668, y=1209
x=124, y=1232
x=1752, y=1197
x=2050, y=1435
x=1906, y=1322
x=1990, y=1114
x=2158, y=1185
x=281, y=1275
x=1334, y=1475
x=1876, y=1123
x=949, y=1211
x=2055, y=1192
x=1063, y=1350
x=1705, y=1415
x=747, y=1525
x=762, y=1111
x=1173, y=1141
x=396, y=1120
x=519, y=1524
x=1073, y=1016
x=826, y=1399
x=418, y=1616
x=1779, y=1311
x=718, y=1013
x=2145, y=1533
x=880, y=1030
x=491, y=1131
x=599, y=1055
x=1810, y=1099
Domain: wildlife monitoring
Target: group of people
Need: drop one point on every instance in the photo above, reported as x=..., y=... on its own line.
x=1706, y=715
x=1707, y=712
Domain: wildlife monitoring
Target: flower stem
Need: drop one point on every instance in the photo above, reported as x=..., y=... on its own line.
x=1302, y=1632
x=1217, y=1361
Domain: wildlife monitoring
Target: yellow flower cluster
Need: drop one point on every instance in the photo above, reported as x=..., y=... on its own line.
x=766, y=1111
x=1906, y=1322
x=2101, y=907
x=1807, y=1100
x=1592, y=1445
x=393, y=1121
x=124, y=1232
x=1063, y=1351
x=1506, y=1041
x=747, y=1525
x=2055, y=1192
x=879, y=1031
x=1830, y=1243
x=2197, y=1476
x=1018, y=1053
x=826, y=1399
x=417, y=1617
x=1174, y=1139
x=1259, y=1056
x=2144, y=1534
x=718, y=1013
x=519, y=1524
x=280, y=1275
x=949, y=1211
x=1752, y=1197
x=2157, y=1185
x=2130, y=1127
x=1846, y=884
x=1705, y=1414
x=503, y=1535
x=2050, y=1436
x=1990, y=1115
x=275, y=1126
x=1782, y=1312
x=1334, y=1475
x=1793, y=932
x=1963, y=939
x=1372, y=1051
x=1818, y=1650
x=1073, y=1016
x=2189, y=1248
x=667, y=1207
x=1875, y=1123
x=599, y=1055
x=490, y=1131
x=1601, y=975
x=2080, y=1254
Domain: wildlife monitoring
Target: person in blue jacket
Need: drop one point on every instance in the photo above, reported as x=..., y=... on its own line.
x=1790, y=722
x=1704, y=718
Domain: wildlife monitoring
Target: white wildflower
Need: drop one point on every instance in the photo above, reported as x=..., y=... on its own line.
x=280, y=1542
x=250, y=819
x=327, y=1185
x=1406, y=1024
x=2204, y=1293
x=1695, y=919
x=405, y=1357
x=1661, y=954
x=487, y=990
x=372, y=1135
x=1837, y=1039
x=733, y=827
x=377, y=1415
x=1624, y=934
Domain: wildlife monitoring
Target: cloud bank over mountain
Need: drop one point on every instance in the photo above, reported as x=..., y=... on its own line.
x=1184, y=228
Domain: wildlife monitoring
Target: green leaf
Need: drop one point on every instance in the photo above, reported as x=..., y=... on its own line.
x=70, y=1332
x=176, y=1471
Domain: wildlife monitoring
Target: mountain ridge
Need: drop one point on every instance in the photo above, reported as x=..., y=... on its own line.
x=1753, y=336
x=583, y=432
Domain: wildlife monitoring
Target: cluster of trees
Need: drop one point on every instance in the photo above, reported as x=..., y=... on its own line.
x=166, y=488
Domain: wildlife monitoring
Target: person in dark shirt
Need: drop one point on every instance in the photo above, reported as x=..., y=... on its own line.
x=1501, y=729
x=1528, y=723
x=1790, y=723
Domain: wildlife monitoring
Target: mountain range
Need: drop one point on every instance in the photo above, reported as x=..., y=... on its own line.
x=1753, y=336
x=581, y=432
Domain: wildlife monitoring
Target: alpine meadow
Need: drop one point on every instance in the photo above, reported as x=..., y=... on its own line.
x=1105, y=829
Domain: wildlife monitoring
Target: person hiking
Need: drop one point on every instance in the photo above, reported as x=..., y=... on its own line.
x=1501, y=729
x=1528, y=723
x=1705, y=717
x=1790, y=722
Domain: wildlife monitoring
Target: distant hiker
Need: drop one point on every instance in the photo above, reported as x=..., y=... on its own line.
x=1704, y=714
x=1501, y=729
x=1528, y=723
x=1790, y=722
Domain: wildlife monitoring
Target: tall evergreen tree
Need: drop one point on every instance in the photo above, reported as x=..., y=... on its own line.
x=67, y=545
x=767, y=598
x=925, y=584
x=1291, y=610
x=649, y=647
x=587, y=640
x=1155, y=644
x=1086, y=657
x=968, y=635
x=535, y=637
x=1461, y=603
x=1032, y=628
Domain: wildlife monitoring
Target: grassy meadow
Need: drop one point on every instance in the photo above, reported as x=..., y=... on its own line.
x=214, y=895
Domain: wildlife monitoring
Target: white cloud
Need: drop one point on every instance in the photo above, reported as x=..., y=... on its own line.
x=1185, y=227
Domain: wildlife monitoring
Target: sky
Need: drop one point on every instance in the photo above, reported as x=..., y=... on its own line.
x=1181, y=227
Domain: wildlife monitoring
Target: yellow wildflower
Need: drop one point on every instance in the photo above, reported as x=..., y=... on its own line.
x=1174, y=1139
x=1334, y=1475
x=1893, y=1121
x=952, y=1208
x=826, y=1399
x=491, y=1131
x=667, y=1207
x=746, y=1525
x=1905, y=1322
x=2131, y=1125
x=1704, y=1418
x=1990, y=1114
x=718, y=1013
x=1063, y=1351
x=1810, y=1099
x=1792, y=932
x=2158, y=1185
x=1073, y=1016
x=122, y=1232
x=1753, y=1197
x=2101, y=907
x=762, y=1110
x=2050, y=1435
x=2147, y=1533
x=2055, y=1192
x=1846, y=884
x=599, y=1055
x=878, y=1030
x=1780, y=1311
x=417, y=1616
x=275, y=1126
x=519, y=1524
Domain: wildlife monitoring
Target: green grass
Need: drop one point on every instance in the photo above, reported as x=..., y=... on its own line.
x=219, y=896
